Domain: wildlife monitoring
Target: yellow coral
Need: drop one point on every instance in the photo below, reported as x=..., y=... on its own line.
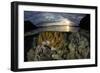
x=56, y=39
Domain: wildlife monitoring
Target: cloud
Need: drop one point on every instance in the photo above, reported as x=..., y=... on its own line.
x=39, y=18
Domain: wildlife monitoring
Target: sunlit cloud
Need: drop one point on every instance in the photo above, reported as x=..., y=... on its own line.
x=51, y=18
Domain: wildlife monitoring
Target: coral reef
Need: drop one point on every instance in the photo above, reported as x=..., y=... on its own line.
x=60, y=46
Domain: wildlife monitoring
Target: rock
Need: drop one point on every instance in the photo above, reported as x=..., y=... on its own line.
x=79, y=45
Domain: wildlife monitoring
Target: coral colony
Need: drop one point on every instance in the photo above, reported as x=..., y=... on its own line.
x=56, y=36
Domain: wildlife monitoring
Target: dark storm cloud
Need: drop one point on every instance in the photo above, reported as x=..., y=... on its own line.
x=48, y=17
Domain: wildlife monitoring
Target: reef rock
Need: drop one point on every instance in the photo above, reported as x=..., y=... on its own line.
x=76, y=45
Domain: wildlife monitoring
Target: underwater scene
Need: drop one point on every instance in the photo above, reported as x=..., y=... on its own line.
x=52, y=36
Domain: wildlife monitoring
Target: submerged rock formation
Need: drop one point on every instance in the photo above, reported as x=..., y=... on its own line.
x=60, y=46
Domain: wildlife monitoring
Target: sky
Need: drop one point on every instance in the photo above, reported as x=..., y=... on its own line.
x=39, y=18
